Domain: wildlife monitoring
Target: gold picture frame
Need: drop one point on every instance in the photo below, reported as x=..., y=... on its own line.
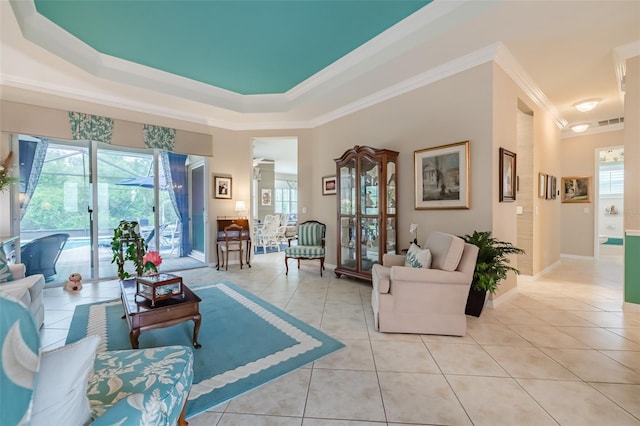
x=576, y=189
x=441, y=177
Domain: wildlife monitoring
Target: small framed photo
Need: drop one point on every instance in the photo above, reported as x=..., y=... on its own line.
x=266, y=197
x=441, y=177
x=329, y=185
x=507, y=176
x=550, y=189
x=222, y=187
x=542, y=185
x=576, y=189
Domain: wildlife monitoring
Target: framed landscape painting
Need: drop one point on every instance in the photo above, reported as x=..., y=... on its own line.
x=441, y=177
x=576, y=189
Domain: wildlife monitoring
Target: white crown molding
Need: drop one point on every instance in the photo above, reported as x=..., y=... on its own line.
x=249, y=112
x=56, y=40
x=620, y=56
x=440, y=72
x=508, y=63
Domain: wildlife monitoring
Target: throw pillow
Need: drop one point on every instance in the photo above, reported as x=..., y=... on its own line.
x=418, y=258
x=5, y=273
x=61, y=393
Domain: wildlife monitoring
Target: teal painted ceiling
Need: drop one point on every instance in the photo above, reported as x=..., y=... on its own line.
x=247, y=47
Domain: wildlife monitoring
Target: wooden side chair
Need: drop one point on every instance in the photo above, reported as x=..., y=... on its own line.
x=232, y=242
x=310, y=244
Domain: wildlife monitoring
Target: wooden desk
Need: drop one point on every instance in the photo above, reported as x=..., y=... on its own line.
x=245, y=236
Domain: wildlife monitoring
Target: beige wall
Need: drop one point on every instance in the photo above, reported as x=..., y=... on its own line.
x=479, y=105
x=451, y=110
x=578, y=153
x=508, y=100
x=632, y=145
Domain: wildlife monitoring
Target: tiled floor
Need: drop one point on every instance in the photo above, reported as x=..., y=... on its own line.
x=561, y=352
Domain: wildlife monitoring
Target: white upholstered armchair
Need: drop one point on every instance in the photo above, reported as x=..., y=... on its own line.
x=425, y=300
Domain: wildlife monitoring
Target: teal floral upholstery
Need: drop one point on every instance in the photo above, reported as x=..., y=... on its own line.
x=145, y=386
x=132, y=387
x=310, y=245
x=20, y=344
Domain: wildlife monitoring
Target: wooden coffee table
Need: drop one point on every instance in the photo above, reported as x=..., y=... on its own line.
x=142, y=317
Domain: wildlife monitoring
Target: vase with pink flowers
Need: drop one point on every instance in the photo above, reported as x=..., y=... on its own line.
x=150, y=262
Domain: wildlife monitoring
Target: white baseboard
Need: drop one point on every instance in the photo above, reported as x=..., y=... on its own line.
x=494, y=303
x=575, y=256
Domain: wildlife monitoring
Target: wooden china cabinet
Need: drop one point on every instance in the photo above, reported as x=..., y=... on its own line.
x=366, y=203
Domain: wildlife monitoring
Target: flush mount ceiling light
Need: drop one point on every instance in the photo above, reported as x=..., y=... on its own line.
x=579, y=128
x=588, y=105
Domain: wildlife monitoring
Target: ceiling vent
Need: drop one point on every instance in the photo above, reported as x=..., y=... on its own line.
x=611, y=121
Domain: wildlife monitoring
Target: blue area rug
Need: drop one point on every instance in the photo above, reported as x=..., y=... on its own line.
x=614, y=241
x=246, y=342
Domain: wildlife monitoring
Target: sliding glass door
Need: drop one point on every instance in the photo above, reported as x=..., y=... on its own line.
x=83, y=189
x=55, y=192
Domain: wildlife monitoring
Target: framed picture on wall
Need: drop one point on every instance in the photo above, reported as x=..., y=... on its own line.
x=576, y=189
x=554, y=187
x=222, y=187
x=507, y=176
x=329, y=185
x=266, y=197
x=441, y=177
x=549, y=187
x=542, y=185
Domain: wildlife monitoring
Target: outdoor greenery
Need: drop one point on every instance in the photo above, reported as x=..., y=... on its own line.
x=63, y=193
x=492, y=265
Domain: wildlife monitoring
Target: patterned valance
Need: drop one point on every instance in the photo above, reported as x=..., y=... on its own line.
x=159, y=137
x=91, y=127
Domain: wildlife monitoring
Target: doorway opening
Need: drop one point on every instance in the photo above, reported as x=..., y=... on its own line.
x=610, y=203
x=274, y=190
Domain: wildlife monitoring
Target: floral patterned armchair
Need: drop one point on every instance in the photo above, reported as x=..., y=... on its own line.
x=74, y=385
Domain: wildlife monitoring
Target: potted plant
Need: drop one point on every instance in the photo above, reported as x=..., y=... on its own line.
x=128, y=244
x=492, y=267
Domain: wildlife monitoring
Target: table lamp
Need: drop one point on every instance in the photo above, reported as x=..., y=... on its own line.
x=240, y=207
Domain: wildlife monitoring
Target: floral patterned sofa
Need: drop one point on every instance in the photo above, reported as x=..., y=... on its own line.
x=73, y=385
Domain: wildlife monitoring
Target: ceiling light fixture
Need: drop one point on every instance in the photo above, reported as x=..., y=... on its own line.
x=588, y=105
x=579, y=128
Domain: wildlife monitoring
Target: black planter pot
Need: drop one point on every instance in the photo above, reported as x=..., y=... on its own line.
x=475, y=302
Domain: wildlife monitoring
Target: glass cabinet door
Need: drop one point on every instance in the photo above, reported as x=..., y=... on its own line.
x=347, y=188
x=369, y=202
x=348, y=242
x=370, y=249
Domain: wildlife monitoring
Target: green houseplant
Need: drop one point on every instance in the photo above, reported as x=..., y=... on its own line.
x=128, y=245
x=492, y=267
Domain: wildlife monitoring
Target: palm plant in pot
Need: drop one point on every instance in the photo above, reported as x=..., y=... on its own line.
x=492, y=267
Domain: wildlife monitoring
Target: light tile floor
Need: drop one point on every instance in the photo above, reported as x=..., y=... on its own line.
x=560, y=352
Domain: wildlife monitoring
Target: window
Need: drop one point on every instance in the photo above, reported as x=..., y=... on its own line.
x=611, y=178
x=286, y=197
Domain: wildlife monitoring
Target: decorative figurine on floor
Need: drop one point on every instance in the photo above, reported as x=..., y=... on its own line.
x=74, y=283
